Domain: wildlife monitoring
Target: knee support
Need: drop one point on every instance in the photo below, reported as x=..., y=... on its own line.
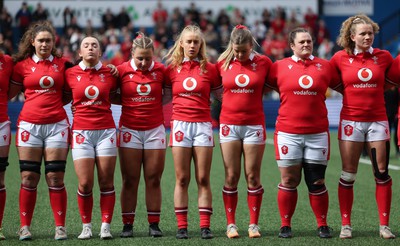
x=313, y=173
x=381, y=175
x=348, y=177
x=3, y=163
x=54, y=166
x=31, y=166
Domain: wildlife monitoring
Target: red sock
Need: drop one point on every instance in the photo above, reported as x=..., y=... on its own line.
x=153, y=216
x=230, y=197
x=107, y=203
x=383, y=195
x=205, y=217
x=287, y=200
x=58, y=202
x=27, y=202
x=2, y=204
x=181, y=217
x=85, y=204
x=128, y=218
x=319, y=202
x=346, y=196
x=254, y=199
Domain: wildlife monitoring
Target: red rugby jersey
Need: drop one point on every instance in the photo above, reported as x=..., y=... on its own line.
x=243, y=84
x=6, y=68
x=91, y=88
x=43, y=82
x=191, y=89
x=302, y=87
x=141, y=95
x=363, y=78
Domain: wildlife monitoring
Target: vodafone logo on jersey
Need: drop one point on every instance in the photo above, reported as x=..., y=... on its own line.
x=91, y=92
x=143, y=89
x=46, y=82
x=305, y=81
x=364, y=74
x=189, y=84
x=242, y=80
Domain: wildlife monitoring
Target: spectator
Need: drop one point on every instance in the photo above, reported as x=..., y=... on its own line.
x=6, y=24
x=108, y=19
x=122, y=18
x=223, y=19
x=68, y=15
x=40, y=13
x=23, y=18
x=160, y=14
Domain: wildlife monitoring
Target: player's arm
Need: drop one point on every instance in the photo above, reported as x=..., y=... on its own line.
x=13, y=89
x=167, y=95
x=115, y=96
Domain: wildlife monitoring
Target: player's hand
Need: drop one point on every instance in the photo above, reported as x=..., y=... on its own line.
x=73, y=109
x=113, y=70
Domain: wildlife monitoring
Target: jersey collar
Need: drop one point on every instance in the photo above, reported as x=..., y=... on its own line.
x=36, y=59
x=296, y=59
x=133, y=65
x=356, y=52
x=187, y=59
x=84, y=67
x=251, y=56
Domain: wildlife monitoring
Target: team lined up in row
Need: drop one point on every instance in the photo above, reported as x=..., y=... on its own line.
x=239, y=80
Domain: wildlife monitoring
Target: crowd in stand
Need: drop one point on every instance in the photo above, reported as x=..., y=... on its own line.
x=118, y=29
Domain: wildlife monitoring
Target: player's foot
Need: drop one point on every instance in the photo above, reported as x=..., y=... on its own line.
x=206, y=233
x=386, y=233
x=324, y=232
x=127, y=231
x=154, y=230
x=232, y=231
x=2, y=237
x=86, y=232
x=105, y=232
x=24, y=233
x=182, y=234
x=345, y=232
x=61, y=233
x=254, y=231
x=285, y=232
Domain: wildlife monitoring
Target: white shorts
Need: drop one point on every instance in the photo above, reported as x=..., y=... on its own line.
x=249, y=134
x=189, y=134
x=149, y=139
x=54, y=135
x=292, y=149
x=93, y=143
x=363, y=131
x=5, y=133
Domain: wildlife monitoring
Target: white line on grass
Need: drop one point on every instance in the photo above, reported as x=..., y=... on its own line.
x=362, y=160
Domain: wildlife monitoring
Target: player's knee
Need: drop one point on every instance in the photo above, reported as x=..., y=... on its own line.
x=290, y=182
x=383, y=176
x=348, y=177
x=314, y=176
x=253, y=180
x=55, y=166
x=3, y=163
x=30, y=166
